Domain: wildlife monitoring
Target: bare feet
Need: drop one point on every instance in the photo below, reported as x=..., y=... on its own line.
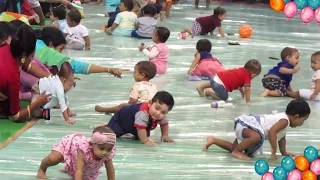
x=201, y=92
x=63, y=170
x=265, y=93
x=103, y=28
x=99, y=109
x=239, y=155
x=71, y=114
x=210, y=141
x=41, y=174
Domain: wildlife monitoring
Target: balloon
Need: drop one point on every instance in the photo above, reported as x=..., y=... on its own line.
x=286, y=1
x=301, y=3
x=317, y=15
x=301, y=163
x=277, y=5
x=308, y=175
x=279, y=173
x=311, y=153
x=290, y=10
x=294, y=175
x=313, y=4
x=245, y=31
x=288, y=163
x=261, y=167
x=267, y=176
x=315, y=167
x=306, y=16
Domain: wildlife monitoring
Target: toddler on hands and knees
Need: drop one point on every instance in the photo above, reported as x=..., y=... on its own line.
x=277, y=81
x=207, y=24
x=313, y=93
x=77, y=35
x=142, y=91
x=158, y=53
x=251, y=131
x=140, y=119
x=56, y=85
x=232, y=79
x=83, y=156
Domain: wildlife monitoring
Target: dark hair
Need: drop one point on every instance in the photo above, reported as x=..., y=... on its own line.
x=128, y=4
x=148, y=68
x=59, y=12
x=253, y=66
x=218, y=11
x=287, y=51
x=65, y=70
x=23, y=42
x=204, y=45
x=163, y=34
x=163, y=97
x=17, y=23
x=75, y=15
x=5, y=31
x=314, y=55
x=149, y=9
x=53, y=35
x=298, y=106
x=103, y=129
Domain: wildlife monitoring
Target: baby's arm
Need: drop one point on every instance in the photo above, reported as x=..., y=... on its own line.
x=110, y=170
x=140, y=123
x=221, y=32
x=87, y=41
x=316, y=90
x=152, y=53
x=142, y=134
x=284, y=70
x=282, y=147
x=79, y=166
x=247, y=93
x=195, y=62
x=272, y=134
x=136, y=25
x=56, y=25
x=63, y=105
x=165, y=133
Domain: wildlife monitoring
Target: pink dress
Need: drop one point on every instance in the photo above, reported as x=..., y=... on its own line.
x=69, y=147
x=208, y=67
x=161, y=60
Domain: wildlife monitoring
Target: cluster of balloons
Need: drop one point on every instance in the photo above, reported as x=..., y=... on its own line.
x=310, y=9
x=305, y=167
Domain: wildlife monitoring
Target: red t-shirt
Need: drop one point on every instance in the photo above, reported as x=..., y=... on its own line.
x=209, y=23
x=9, y=82
x=234, y=79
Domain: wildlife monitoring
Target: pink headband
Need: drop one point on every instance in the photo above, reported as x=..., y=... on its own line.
x=103, y=138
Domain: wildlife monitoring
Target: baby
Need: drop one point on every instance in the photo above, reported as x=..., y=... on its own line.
x=58, y=16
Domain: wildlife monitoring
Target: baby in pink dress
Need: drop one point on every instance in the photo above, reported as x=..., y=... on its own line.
x=83, y=156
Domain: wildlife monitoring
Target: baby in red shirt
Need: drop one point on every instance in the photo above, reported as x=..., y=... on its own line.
x=207, y=24
x=229, y=80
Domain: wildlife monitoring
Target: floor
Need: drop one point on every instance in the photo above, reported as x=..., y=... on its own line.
x=192, y=119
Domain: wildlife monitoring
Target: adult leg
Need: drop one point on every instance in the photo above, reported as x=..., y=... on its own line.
x=52, y=159
x=196, y=4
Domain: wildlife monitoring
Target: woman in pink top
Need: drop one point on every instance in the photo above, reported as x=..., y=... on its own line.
x=159, y=53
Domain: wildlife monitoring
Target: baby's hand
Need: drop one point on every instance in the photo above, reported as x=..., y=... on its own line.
x=70, y=121
x=151, y=143
x=313, y=97
x=274, y=156
x=296, y=69
x=166, y=139
x=141, y=47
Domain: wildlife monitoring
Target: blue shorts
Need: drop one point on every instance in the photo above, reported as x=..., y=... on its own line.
x=219, y=89
x=135, y=34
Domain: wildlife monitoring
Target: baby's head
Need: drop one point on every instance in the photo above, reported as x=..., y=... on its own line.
x=126, y=5
x=144, y=71
x=160, y=105
x=291, y=55
x=58, y=13
x=204, y=45
x=298, y=111
x=161, y=35
x=102, y=140
x=220, y=12
x=315, y=61
x=73, y=18
x=149, y=10
x=65, y=74
x=254, y=67
x=136, y=7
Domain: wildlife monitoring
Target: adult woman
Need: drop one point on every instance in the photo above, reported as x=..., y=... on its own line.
x=19, y=53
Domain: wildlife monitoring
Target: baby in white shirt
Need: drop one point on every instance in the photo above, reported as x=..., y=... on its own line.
x=57, y=85
x=77, y=35
x=142, y=91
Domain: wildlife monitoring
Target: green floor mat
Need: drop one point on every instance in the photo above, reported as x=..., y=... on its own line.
x=8, y=127
x=47, y=22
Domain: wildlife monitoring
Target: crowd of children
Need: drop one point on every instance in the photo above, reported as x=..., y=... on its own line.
x=147, y=107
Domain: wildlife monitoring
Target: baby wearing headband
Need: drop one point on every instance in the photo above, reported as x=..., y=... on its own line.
x=83, y=156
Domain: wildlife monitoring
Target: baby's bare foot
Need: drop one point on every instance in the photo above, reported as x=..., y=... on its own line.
x=200, y=91
x=41, y=174
x=210, y=141
x=240, y=155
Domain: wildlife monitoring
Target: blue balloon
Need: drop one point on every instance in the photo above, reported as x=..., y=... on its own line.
x=288, y=163
x=311, y=153
x=261, y=167
x=279, y=173
x=286, y=1
x=301, y=3
x=314, y=4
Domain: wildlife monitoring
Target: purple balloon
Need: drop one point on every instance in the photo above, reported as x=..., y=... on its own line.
x=307, y=15
x=315, y=167
x=267, y=176
x=294, y=175
x=317, y=15
x=290, y=9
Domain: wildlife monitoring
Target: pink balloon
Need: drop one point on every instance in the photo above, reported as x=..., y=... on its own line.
x=294, y=175
x=306, y=15
x=315, y=167
x=267, y=176
x=290, y=9
x=317, y=15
